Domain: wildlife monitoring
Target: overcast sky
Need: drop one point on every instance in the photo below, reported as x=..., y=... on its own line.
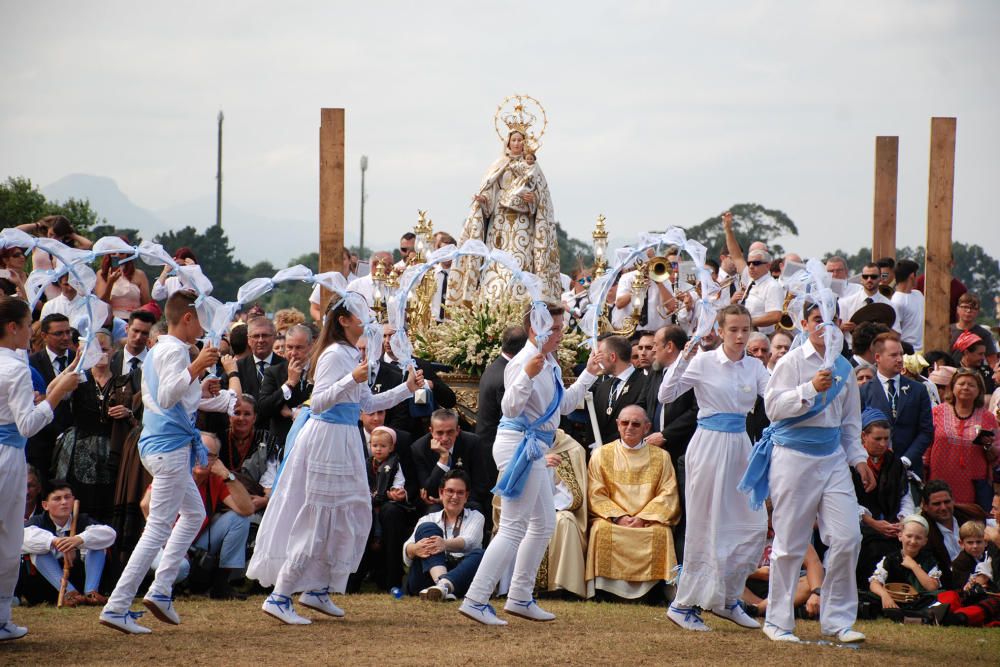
x=659, y=112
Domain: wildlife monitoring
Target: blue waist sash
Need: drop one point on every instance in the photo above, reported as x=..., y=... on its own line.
x=168, y=429
x=725, y=422
x=514, y=477
x=345, y=414
x=812, y=440
x=10, y=436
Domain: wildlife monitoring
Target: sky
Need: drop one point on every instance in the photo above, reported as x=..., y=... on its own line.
x=659, y=112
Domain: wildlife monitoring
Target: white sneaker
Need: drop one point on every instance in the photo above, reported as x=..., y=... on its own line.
x=734, y=612
x=848, y=636
x=529, y=610
x=280, y=606
x=162, y=607
x=688, y=618
x=436, y=593
x=481, y=613
x=774, y=633
x=10, y=631
x=321, y=602
x=125, y=622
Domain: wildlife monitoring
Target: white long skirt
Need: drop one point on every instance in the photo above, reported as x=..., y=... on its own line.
x=724, y=539
x=318, y=520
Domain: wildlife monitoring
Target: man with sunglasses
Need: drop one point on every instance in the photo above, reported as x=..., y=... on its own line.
x=50, y=362
x=764, y=296
x=871, y=275
x=633, y=498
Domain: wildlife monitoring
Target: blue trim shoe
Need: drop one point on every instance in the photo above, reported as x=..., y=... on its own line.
x=10, y=631
x=162, y=607
x=480, y=613
x=126, y=622
x=774, y=633
x=688, y=618
x=320, y=601
x=737, y=614
x=280, y=606
x=847, y=636
x=529, y=610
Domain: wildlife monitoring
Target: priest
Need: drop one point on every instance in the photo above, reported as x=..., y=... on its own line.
x=633, y=503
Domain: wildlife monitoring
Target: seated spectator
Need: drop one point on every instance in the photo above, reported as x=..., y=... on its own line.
x=390, y=513
x=47, y=541
x=963, y=451
x=967, y=311
x=971, y=352
x=913, y=565
x=251, y=451
x=944, y=518
x=632, y=494
x=219, y=551
x=807, y=594
x=884, y=506
x=444, y=448
x=979, y=567
x=33, y=500
x=444, y=551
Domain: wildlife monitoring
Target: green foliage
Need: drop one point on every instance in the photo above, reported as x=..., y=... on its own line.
x=572, y=252
x=21, y=202
x=214, y=254
x=751, y=222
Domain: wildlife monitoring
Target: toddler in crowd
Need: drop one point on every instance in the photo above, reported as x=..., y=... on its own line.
x=385, y=477
x=975, y=573
x=911, y=565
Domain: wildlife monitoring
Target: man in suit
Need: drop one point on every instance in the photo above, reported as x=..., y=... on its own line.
x=446, y=447
x=673, y=424
x=409, y=415
x=49, y=362
x=251, y=369
x=622, y=385
x=285, y=386
x=491, y=385
x=905, y=402
x=133, y=353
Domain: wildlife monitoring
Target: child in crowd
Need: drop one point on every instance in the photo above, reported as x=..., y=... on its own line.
x=911, y=565
x=976, y=571
x=47, y=541
x=385, y=478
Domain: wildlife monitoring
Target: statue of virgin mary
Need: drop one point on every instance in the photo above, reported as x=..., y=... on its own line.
x=512, y=211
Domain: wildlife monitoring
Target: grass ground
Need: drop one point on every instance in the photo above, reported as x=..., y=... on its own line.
x=381, y=630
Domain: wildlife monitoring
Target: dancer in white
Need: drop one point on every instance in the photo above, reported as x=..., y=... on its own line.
x=532, y=403
x=724, y=539
x=168, y=447
x=20, y=419
x=802, y=462
x=317, y=522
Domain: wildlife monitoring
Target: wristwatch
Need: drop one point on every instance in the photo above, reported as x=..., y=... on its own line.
x=231, y=477
x=816, y=592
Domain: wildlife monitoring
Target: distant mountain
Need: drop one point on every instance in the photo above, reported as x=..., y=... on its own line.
x=108, y=200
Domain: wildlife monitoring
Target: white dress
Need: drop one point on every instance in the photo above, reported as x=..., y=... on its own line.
x=320, y=514
x=724, y=539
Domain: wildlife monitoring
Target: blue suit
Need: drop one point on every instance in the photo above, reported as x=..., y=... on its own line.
x=913, y=425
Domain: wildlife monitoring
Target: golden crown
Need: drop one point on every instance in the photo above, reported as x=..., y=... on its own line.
x=516, y=112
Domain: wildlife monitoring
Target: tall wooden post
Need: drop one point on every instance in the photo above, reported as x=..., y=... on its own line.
x=331, y=192
x=886, y=173
x=940, y=197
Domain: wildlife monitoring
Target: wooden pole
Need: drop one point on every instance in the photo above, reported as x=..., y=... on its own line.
x=940, y=198
x=331, y=192
x=886, y=173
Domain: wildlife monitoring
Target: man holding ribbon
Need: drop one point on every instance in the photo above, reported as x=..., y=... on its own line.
x=532, y=404
x=815, y=410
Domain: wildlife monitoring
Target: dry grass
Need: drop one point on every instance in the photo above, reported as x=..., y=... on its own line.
x=381, y=630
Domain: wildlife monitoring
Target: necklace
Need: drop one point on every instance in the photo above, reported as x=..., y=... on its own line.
x=960, y=417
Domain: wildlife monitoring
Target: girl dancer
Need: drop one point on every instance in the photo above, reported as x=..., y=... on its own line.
x=723, y=546
x=317, y=522
x=20, y=418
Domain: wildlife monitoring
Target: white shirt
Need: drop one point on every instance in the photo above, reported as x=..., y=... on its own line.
x=471, y=531
x=720, y=384
x=949, y=536
x=623, y=376
x=38, y=541
x=17, y=398
x=364, y=286
x=170, y=359
x=128, y=357
x=314, y=296
x=790, y=393
x=766, y=296
x=530, y=397
x=162, y=290
x=654, y=304
x=910, y=312
x=440, y=287
x=59, y=305
x=53, y=356
x=853, y=302
x=884, y=381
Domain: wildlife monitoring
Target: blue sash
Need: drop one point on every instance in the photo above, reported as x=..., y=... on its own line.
x=10, y=436
x=171, y=430
x=725, y=422
x=345, y=414
x=811, y=440
x=530, y=448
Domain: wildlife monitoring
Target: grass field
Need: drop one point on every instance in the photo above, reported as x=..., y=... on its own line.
x=380, y=630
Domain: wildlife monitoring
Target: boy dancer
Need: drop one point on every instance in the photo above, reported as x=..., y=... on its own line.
x=169, y=446
x=816, y=430
x=532, y=403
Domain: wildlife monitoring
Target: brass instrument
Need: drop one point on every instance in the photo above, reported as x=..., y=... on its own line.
x=697, y=290
x=786, y=323
x=658, y=270
x=639, y=285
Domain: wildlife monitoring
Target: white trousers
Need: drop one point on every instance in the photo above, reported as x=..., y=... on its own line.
x=526, y=525
x=13, y=481
x=804, y=488
x=174, y=491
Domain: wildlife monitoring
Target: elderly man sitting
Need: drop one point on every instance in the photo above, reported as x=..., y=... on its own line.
x=633, y=503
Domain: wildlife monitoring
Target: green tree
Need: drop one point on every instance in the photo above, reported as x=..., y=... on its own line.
x=214, y=254
x=751, y=222
x=21, y=202
x=572, y=252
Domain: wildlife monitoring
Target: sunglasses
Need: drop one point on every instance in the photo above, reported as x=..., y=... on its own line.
x=405, y=250
x=634, y=424
x=584, y=281
x=870, y=276
x=757, y=262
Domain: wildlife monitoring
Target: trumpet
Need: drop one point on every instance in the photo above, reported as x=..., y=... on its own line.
x=697, y=290
x=658, y=269
x=786, y=323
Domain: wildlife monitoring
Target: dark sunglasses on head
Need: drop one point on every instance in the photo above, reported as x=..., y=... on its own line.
x=757, y=262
